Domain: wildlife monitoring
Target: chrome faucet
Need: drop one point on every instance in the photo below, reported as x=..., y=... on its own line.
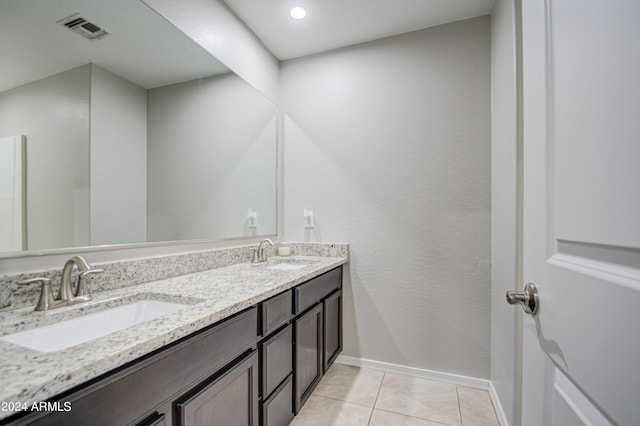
x=259, y=254
x=66, y=296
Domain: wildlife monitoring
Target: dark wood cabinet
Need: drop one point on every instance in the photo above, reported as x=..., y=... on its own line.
x=277, y=364
x=277, y=410
x=317, y=331
x=256, y=367
x=332, y=328
x=276, y=361
x=313, y=291
x=308, y=354
x=156, y=419
x=230, y=399
x=274, y=313
x=317, y=340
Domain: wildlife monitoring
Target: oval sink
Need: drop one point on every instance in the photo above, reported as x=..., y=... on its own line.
x=65, y=334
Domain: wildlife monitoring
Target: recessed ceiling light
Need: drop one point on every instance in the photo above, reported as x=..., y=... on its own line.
x=297, y=13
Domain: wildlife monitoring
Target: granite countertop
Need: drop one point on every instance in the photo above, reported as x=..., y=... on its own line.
x=28, y=376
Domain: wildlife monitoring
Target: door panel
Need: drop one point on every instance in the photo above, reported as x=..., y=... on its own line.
x=568, y=404
x=581, y=127
x=594, y=100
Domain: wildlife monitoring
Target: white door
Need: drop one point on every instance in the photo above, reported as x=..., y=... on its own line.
x=13, y=222
x=581, y=124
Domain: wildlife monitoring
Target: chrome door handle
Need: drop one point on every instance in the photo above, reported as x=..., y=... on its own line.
x=528, y=298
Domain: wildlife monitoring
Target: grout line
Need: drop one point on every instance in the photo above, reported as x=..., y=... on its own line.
x=377, y=395
x=333, y=398
x=459, y=406
x=379, y=389
x=414, y=417
x=370, y=417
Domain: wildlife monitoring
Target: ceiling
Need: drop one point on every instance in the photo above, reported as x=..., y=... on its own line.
x=141, y=47
x=35, y=46
x=331, y=24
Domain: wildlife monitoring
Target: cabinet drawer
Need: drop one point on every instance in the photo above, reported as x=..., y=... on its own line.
x=276, y=355
x=307, y=294
x=277, y=410
x=229, y=399
x=275, y=312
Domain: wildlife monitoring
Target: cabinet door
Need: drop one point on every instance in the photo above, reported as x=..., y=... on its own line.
x=332, y=316
x=308, y=354
x=276, y=354
x=231, y=399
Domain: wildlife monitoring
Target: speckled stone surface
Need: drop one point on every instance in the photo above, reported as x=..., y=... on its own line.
x=211, y=295
x=132, y=272
x=320, y=249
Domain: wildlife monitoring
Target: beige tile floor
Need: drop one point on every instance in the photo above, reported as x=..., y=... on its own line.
x=360, y=396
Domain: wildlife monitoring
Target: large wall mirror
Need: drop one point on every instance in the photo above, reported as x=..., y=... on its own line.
x=116, y=128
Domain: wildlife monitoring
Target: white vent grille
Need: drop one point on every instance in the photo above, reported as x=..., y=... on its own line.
x=83, y=26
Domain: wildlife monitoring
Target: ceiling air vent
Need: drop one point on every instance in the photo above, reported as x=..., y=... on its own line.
x=82, y=26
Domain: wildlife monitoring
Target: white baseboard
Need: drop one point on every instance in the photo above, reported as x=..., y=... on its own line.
x=431, y=375
x=414, y=372
x=502, y=418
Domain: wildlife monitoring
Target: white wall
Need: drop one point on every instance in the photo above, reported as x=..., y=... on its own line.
x=53, y=114
x=506, y=254
x=389, y=143
x=212, y=25
x=211, y=157
x=118, y=137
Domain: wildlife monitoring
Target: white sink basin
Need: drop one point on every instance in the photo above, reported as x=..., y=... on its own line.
x=62, y=335
x=289, y=264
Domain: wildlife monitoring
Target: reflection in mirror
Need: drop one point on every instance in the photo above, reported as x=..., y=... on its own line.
x=138, y=135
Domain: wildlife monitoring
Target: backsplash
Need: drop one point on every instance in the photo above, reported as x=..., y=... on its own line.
x=137, y=271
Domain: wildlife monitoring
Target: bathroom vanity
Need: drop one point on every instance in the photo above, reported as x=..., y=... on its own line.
x=256, y=361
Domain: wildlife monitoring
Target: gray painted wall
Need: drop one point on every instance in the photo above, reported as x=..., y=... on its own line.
x=211, y=157
x=211, y=24
x=118, y=137
x=53, y=113
x=389, y=143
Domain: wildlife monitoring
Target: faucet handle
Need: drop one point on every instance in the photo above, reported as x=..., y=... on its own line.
x=91, y=271
x=82, y=290
x=46, y=294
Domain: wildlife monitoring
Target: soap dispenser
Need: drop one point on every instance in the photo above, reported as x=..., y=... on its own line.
x=284, y=249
